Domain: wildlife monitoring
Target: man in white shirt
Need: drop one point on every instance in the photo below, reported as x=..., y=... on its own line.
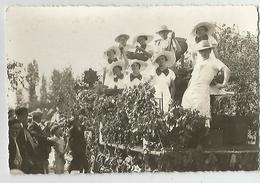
x=166, y=43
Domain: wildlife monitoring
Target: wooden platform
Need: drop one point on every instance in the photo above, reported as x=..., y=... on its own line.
x=216, y=150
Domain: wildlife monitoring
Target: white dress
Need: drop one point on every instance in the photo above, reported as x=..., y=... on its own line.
x=197, y=95
x=120, y=84
x=135, y=81
x=59, y=158
x=162, y=83
x=192, y=48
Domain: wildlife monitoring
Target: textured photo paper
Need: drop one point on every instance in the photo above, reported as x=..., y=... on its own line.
x=132, y=89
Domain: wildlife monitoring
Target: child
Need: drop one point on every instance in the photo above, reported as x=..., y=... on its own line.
x=59, y=148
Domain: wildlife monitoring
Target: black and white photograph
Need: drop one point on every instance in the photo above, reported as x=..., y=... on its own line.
x=132, y=89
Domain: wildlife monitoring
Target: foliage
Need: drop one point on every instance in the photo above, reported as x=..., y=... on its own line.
x=15, y=74
x=134, y=117
x=62, y=93
x=43, y=91
x=32, y=78
x=240, y=53
x=186, y=128
x=20, y=97
x=90, y=77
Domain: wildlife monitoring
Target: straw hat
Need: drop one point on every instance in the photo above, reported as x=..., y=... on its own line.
x=169, y=55
x=164, y=28
x=149, y=38
x=142, y=63
x=114, y=48
x=203, y=45
x=122, y=35
x=114, y=64
x=210, y=26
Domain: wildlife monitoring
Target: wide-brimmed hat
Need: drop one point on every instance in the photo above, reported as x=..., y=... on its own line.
x=169, y=55
x=114, y=48
x=163, y=29
x=148, y=40
x=203, y=45
x=122, y=35
x=114, y=64
x=143, y=64
x=37, y=113
x=210, y=28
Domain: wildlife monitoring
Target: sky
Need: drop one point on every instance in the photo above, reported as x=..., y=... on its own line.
x=58, y=37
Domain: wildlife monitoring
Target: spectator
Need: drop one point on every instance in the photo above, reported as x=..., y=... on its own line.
x=44, y=145
x=77, y=146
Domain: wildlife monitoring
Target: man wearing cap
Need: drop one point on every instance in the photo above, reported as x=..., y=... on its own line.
x=15, y=157
x=197, y=95
x=26, y=141
x=44, y=145
x=167, y=43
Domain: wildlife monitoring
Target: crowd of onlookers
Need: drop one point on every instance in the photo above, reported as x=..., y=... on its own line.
x=33, y=137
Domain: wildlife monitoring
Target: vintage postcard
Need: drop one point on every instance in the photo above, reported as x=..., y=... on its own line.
x=132, y=89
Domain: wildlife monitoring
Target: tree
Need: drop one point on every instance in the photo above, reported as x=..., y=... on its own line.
x=19, y=97
x=43, y=91
x=15, y=74
x=62, y=92
x=90, y=77
x=33, y=80
x=55, y=88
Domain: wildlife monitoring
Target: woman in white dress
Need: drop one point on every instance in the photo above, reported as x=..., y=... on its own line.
x=163, y=78
x=135, y=77
x=116, y=75
x=111, y=55
x=197, y=95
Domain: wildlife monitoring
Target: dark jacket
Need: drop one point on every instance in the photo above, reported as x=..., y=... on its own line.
x=12, y=153
x=44, y=145
x=27, y=150
x=77, y=142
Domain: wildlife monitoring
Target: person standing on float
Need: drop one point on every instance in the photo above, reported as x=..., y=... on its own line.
x=166, y=42
x=135, y=77
x=163, y=78
x=197, y=95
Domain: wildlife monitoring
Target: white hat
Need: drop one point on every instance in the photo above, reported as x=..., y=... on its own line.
x=148, y=40
x=143, y=64
x=210, y=26
x=122, y=35
x=114, y=64
x=164, y=28
x=114, y=48
x=169, y=55
x=203, y=45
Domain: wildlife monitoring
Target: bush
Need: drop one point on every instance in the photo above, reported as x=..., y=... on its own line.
x=240, y=53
